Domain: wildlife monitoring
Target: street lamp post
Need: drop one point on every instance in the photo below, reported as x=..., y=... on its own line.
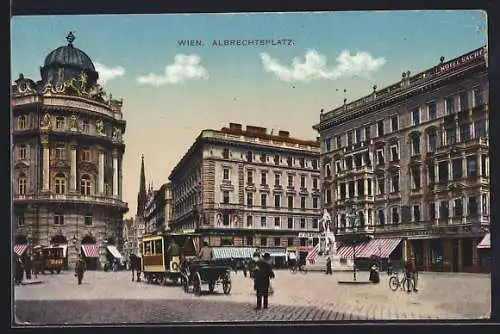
x=354, y=220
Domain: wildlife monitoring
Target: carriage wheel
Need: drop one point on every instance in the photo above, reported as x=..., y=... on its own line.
x=197, y=284
x=211, y=286
x=185, y=283
x=149, y=278
x=393, y=283
x=226, y=286
x=163, y=280
x=175, y=280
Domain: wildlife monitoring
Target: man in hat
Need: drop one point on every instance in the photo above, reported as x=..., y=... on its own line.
x=411, y=274
x=80, y=269
x=262, y=276
x=329, y=266
x=206, y=252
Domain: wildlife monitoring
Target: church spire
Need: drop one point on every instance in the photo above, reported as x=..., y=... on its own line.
x=141, y=196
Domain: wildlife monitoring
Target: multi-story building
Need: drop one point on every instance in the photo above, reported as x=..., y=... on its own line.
x=411, y=161
x=67, y=159
x=130, y=237
x=158, y=209
x=246, y=187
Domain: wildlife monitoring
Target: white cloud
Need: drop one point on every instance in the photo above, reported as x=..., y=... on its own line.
x=108, y=73
x=184, y=67
x=314, y=67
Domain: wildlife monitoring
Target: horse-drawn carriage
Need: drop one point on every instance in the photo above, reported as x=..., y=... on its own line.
x=197, y=273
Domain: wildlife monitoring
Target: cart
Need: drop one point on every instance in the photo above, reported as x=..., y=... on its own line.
x=197, y=273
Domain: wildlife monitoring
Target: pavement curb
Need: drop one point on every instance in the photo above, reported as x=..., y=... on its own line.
x=31, y=283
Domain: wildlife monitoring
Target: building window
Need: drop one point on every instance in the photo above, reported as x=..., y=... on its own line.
x=473, y=206
x=351, y=186
x=394, y=123
x=21, y=122
x=86, y=127
x=302, y=223
x=277, y=180
x=478, y=96
x=464, y=132
x=289, y=161
x=480, y=129
x=348, y=162
x=225, y=197
x=22, y=152
x=394, y=153
x=290, y=223
x=358, y=135
x=415, y=145
x=415, y=116
x=58, y=219
x=431, y=141
x=225, y=219
x=249, y=199
x=277, y=241
x=60, y=123
x=328, y=171
x=381, y=217
x=456, y=165
x=350, y=138
x=431, y=111
x=415, y=173
x=380, y=128
x=263, y=200
x=86, y=155
x=276, y=159
x=249, y=156
x=302, y=202
x=457, y=208
x=395, y=215
x=88, y=220
x=85, y=185
x=249, y=241
x=263, y=178
x=263, y=241
x=449, y=105
x=471, y=166
x=328, y=144
x=225, y=153
x=226, y=173
x=20, y=220
x=443, y=171
x=484, y=167
x=249, y=177
x=315, y=223
x=22, y=182
x=328, y=196
x=302, y=163
x=395, y=181
x=367, y=133
x=339, y=141
x=369, y=187
x=290, y=181
x=444, y=211
x=464, y=101
x=315, y=202
x=263, y=221
x=302, y=181
x=451, y=136
x=290, y=202
x=60, y=181
x=416, y=213
x=314, y=164
x=249, y=221
x=277, y=222
x=431, y=172
x=277, y=201
x=61, y=152
x=432, y=211
x=380, y=156
x=263, y=157
x=315, y=183
x=289, y=242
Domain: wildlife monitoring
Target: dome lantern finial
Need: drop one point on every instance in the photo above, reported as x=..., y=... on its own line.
x=70, y=38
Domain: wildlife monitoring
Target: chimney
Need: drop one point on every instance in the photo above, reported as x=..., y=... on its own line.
x=285, y=134
x=256, y=129
x=235, y=126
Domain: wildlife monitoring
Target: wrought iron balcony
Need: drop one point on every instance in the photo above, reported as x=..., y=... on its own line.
x=75, y=198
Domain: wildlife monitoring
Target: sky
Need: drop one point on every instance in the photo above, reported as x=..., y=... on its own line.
x=171, y=91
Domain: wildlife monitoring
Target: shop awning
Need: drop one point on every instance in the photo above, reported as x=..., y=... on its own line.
x=91, y=250
x=274, y=252
x=20, y=249
x=379, y=247
x=114, y=251
x=485, y=243
x=233, y=252
x=347, y=251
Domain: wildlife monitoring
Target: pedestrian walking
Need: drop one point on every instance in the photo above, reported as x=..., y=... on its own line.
x=263, y=274
x=80, y=269
x=374, y=274
x=329, y=266
x=245, y=268
x=18, y=269
x=133, y=259
x=28, y=266
x=411, y=274
x=389, y=267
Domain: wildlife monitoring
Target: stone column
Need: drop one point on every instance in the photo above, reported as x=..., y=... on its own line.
x=479, y=165
x=120, y=177
x=450, y=170
x=115, y=174
x=464, y=164
x=338, y=190
x=355, y=188
x=436, y=172
x=365, y=185
x=46, y=163
x=73, y=183
x=101, y=173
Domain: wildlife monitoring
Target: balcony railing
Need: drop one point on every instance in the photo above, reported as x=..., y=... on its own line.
x=70, y=198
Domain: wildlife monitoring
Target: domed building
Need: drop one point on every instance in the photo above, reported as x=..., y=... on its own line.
x=67, y=160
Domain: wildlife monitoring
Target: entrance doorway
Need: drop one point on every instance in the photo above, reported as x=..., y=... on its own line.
x=454, y=255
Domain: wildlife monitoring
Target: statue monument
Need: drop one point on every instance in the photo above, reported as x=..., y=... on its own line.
x=330, y=244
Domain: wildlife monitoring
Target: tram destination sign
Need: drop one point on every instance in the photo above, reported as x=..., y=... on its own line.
x=460, y=61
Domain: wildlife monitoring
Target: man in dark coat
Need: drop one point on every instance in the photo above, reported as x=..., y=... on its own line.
x=329, y=266
x=80, y=269
x=28, y=265
x=133, y=264
x=411, y=274
x=18, y=269
x=263, y=274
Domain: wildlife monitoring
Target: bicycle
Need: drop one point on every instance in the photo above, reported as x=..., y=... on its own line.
x=396, y=283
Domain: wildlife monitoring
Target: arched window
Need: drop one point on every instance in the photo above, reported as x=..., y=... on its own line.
x=85, y=185
x=86, y=127
x=328, y=171
x=60, y=181
x=22, y=152
x=21, y=122
x=22, y=182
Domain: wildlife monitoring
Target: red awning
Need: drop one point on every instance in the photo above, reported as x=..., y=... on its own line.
x=379, y=247
x=347, y=251
x=485, y=243
x=91, y=250
x=20, y=249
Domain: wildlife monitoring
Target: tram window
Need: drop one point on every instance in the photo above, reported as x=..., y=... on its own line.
x=147, y=248
x=158, y=248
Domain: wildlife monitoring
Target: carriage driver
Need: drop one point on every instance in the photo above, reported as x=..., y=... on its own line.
x=206, y=252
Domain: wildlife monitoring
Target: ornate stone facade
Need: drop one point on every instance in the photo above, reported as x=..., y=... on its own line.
x=67, y=157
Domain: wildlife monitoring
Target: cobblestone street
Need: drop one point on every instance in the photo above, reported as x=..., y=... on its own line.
x=114, y=298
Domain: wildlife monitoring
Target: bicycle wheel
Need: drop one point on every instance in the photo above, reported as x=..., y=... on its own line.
x=393, y=283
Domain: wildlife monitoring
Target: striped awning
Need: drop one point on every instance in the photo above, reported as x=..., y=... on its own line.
x=485, y=243
x=233, y=252
x=20, y=249
x=114, y=251
x=91, y=250
x=347, y=251
x=382, y=248
x=274, y=252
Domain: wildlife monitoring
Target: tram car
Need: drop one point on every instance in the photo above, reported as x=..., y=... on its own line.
x=162, y=255
x=50, y=259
